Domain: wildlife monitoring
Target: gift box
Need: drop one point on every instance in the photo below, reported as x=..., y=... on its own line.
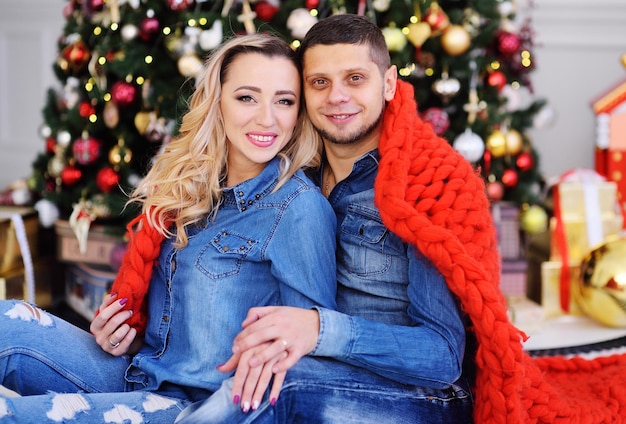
x=101, y=242
x=10, y=250
x=525, y=314
x=551, y=289
x=85, y=287
x=577, y=236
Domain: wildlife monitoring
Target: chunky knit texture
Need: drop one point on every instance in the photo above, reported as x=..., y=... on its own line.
x=133, y=278
x=430, y=196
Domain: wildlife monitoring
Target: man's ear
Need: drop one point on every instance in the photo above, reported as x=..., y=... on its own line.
x=390, y=79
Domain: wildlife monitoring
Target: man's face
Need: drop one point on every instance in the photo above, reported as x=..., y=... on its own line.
x=345, y=92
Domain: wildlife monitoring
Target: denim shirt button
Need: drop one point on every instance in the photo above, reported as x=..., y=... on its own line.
x=249, y=202
x=166, y=318
x=225, y=248
x=243, y=208
x=258, y=196
x=240, y=194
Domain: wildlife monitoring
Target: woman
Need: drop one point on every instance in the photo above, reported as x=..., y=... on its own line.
x=227, y=224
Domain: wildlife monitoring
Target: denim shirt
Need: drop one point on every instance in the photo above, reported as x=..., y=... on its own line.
x=396, y=315
x=262, y=248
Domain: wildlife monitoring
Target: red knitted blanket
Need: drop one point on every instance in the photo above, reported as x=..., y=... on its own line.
x=429, y=195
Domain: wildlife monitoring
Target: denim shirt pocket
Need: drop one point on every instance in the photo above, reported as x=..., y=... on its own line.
x=224, y=255
x=367, y=243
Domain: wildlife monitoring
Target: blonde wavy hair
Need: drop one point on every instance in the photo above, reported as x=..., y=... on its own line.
x=184, y=184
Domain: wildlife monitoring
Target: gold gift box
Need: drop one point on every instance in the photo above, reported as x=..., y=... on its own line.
x=551, y=289
x=576, y=236
x=525, y=314
x=572, y=199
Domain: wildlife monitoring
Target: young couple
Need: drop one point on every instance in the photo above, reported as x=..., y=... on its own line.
x=230, y=222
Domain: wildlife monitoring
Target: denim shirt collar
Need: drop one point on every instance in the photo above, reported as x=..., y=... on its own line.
x=366, y=163
x=244, y=194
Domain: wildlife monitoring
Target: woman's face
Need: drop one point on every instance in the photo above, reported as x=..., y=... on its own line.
x=259, y=104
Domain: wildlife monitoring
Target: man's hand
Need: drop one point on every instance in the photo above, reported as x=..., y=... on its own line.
x=112, y=334
x=280, y=329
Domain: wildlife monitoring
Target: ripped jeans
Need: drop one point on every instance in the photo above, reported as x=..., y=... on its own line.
x=63, y=376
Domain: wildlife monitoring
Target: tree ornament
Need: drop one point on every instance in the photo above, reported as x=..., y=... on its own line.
x=48, y=212
x=211, y=38
x=179, y=5
x=156, y=130
x=77, y=56
x=446, y=87
x=99, y=207
x=129, y=32
x=394, y=38
x=265, y=11
x=508, y=43
x=495, y=190
x=45, y=131
x=525, y=161
x=64, y=138
x=510, y=178
x=455, y=40
x=111, y=115
x=56, y=164
x=533, y=219
x=120, y=154
x=247, y=17
x=299, y=22
x=469, y=145
x=474, y=105
x=86, y=109
x=148, y=28
x=496, y=79
x=436, y=18
x=189, y=65
x=514, y=141
x=123, y=94
x=438, y=118
x=496, y=144
x=51, y=145
x=379, y=5
x=107, y=179
x=418, y=33
x=71, y=175
x=313, y=4
x=86, y=150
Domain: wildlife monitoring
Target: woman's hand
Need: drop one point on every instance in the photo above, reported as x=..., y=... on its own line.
x=250, y=383
x=112, y=334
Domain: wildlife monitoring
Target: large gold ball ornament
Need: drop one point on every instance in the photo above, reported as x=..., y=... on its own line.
x=514, y=141
x=534, y=219
x=418, y=33
x=455, y=40
x=120, y=154
x=601, y=290
x=496, y=144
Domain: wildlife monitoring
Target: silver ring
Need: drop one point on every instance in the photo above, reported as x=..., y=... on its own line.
x=284, y=343
x=113, y=345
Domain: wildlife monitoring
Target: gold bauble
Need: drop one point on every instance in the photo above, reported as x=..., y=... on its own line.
x=514, y=141
x=496, y=144
x=624, y=60
x=601, y=292
x=534, y=220
x=455, y=40
x=142, y=120
x=120, y=154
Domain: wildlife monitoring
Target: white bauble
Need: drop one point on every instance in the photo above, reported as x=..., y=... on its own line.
x=469, y=145
x=48, y=212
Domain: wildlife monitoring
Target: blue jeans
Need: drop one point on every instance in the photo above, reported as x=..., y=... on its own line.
x=325, y=391
x=64, y=376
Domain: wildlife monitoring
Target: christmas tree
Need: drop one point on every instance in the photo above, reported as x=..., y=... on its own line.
x=126, y=68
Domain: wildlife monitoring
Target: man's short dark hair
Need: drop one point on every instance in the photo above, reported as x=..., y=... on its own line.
x=348, y=29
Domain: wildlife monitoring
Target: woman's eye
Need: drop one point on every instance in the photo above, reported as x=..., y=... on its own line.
x=246, y=99
x=287, y=102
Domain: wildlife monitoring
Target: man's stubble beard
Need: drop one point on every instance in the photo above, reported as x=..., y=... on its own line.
x=360, y=134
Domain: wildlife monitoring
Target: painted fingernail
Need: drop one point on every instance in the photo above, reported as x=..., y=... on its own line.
x=246, y=406
x=124, y=301
x=113, y=294
x=273, y=401
x=255, y=405
x=236, y=399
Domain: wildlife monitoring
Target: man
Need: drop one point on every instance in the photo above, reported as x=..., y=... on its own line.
x=396, y=343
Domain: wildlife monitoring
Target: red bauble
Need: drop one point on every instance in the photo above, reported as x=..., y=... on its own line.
x=436, y=18
x=438, y=118
x=107, y=179
x=77, y=55
x=311, y=4
x=86, y=109
x=86, y=150
x=179, y=4
x=495, y=190
x=510, y=178
x=148, y=28
x=496, y=79
x=51, y=144
x=123, y=94
x=265, y=11
x=71, y=175
x=525, y=161
x=508, y=43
